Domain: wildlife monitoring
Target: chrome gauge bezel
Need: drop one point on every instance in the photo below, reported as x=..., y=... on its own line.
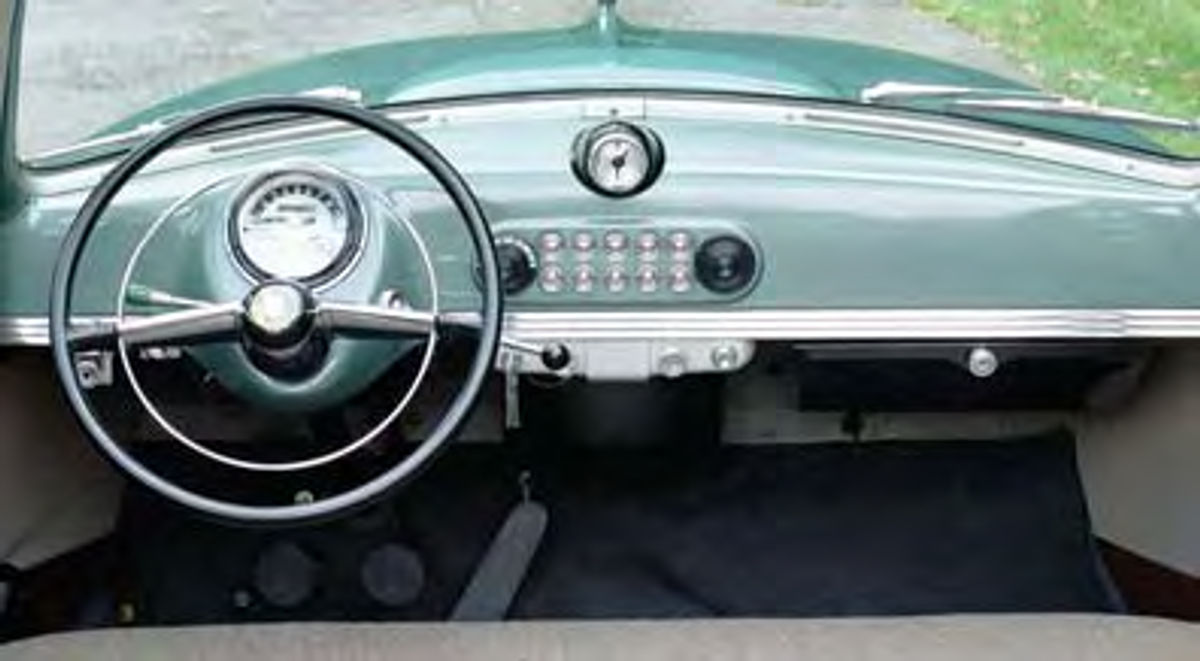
x=339, y=186
x=585, y=150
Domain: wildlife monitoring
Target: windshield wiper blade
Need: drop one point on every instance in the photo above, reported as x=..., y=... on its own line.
x=117, y=142
x=892, y=90
x=1067, y=107
x=1020, y=101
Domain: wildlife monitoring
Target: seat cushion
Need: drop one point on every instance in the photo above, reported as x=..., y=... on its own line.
x=950, y=638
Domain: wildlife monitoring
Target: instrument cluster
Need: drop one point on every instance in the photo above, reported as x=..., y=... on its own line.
x=296, y=224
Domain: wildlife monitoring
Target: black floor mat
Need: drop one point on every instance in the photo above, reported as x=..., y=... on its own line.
x=824, y=530
x=818, y=530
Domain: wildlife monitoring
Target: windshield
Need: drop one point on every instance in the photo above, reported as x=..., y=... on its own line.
x=90, y=63
x=100, y=66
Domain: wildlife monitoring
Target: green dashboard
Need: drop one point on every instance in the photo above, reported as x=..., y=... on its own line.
x=840, y=216
x=856, y=224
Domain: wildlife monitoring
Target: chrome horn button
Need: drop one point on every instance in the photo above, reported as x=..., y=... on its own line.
x=279, y=314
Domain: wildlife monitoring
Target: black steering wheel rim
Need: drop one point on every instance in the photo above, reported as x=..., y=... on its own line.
x=71, y=251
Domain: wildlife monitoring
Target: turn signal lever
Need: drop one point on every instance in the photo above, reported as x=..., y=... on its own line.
x=554, y=356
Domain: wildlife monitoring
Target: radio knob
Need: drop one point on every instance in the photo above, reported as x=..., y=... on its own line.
x=725, y=264
x=518, y=264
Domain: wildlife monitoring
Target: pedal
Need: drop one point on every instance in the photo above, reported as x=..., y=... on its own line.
x=499, y=576
x=393, y=575
x=285, y=575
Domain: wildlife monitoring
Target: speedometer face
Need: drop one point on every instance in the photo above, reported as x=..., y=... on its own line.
x=296, y=225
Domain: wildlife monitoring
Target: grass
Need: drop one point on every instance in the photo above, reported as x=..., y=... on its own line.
x=1142, y=54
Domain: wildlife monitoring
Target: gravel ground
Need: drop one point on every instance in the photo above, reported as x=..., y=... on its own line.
x=90, y=62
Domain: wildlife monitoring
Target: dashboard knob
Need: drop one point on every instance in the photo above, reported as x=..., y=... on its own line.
x=556, y=357
x=725, y=264
x=672, y=363
x=518, y=264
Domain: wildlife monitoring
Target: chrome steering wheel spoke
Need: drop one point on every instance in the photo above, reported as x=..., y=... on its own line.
x=212, y=323
x=223, y=321
x=375, y=320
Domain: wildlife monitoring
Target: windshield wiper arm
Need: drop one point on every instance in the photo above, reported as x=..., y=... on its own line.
x=892, y=90
x=1074, y=108
x=121, y=141
x=1020, y=101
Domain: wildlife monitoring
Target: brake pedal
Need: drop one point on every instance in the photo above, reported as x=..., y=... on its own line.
x=502, y=570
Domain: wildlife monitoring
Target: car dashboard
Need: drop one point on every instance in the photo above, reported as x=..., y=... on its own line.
x=748, y=220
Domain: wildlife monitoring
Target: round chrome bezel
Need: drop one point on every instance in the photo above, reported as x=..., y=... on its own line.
x=330, y=182
x=588, y=143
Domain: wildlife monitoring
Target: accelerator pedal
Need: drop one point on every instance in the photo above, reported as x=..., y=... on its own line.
x=500, y=574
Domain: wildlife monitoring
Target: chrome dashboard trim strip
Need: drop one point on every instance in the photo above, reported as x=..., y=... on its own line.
x=35, y=331
x=859, y=325
x=798, y=325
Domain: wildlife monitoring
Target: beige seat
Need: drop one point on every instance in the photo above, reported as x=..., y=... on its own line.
x=950, y=638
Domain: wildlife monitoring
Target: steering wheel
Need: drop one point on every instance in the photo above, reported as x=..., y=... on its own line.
x=278, y=315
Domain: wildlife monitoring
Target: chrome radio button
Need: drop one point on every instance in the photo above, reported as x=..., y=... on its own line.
x=552, y=278
x=615, y=241
x=551, y=241
x=615, y=279
x=647, y=278
x=680, y=278
x=647, y=242
x=584, y=241
x=680, y=241
x=585, y=278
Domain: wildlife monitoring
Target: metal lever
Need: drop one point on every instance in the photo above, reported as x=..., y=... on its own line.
x=554, y=356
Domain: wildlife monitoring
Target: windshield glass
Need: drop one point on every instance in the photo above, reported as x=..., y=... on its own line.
x=90, y=63
x=98, y=66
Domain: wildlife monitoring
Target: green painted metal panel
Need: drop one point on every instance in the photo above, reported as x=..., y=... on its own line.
x=844, y=220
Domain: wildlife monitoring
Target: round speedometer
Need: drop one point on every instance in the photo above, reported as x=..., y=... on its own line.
x=296, y=225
